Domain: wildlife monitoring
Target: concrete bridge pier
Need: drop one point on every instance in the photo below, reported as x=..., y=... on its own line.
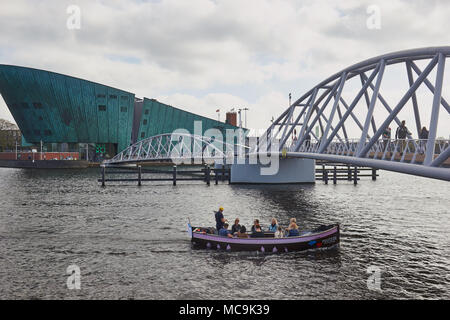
x=290, y=171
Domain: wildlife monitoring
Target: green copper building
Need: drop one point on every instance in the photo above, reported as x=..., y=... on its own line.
x=64, y=112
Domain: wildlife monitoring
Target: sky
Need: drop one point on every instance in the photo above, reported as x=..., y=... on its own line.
x=204, y=55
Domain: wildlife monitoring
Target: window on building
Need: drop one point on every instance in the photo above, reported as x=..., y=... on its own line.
x=101, y=108
x=25, y=105
x=123, y=109
x=112, y=96
x=143, y=135
x=144, y=122
x=47, y=132
x=146, y=111
x=124, y=97
x=101, y=96
x=37, y=132
x=37, y=105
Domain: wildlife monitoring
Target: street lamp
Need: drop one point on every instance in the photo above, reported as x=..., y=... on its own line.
x=245, y=110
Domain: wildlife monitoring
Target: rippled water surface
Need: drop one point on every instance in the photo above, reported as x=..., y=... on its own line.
x=131, y=243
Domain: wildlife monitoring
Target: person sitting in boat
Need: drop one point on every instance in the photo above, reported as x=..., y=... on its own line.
x=258, y=233
x=242, y=233
x=224, y=232
x=279, y=233
x=220, y=220
x=274, y=225
x=235, y=227
x=293, y=230
x=255, y=224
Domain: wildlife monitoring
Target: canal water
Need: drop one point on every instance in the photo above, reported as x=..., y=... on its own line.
x=131, y=243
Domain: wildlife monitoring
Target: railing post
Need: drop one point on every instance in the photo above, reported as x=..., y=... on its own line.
x=229, y=175
x=216, y=176
x=374, y=174
x=355, y=176
x=103, y=175
x=208, y=175
x=349, y=173
x=139, y=176
x=174, y=175
x=325, y=176
x=323, y=172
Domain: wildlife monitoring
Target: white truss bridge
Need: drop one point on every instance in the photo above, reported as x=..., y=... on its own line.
x=334, y=106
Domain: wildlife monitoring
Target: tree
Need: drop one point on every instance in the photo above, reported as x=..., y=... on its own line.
x=6, y=125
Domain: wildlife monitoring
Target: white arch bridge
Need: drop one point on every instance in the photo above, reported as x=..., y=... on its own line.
x=350, y=102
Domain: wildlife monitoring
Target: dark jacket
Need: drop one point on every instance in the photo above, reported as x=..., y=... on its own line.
x=235, y=228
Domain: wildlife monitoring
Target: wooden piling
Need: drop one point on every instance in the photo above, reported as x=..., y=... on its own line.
x=208, y=175
x=355, y=176
x=174, y=175
x=139, y=176
x=325, y=176
x=103, y=175
x=374, y=174
x=335, y=175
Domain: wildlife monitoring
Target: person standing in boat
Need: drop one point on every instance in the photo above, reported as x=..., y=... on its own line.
x=274, y=225
x=220, y=220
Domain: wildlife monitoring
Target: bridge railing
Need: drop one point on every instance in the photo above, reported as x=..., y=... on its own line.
x=409, y=150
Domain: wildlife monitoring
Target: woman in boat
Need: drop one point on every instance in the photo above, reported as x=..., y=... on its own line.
x=258, y=233
x=293, y=230
x=235, y=227
x=242, y=233
x=274, y=226
x=255, y=224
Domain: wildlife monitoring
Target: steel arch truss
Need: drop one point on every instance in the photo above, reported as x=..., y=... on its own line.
x=326, y=107
x=174, y=147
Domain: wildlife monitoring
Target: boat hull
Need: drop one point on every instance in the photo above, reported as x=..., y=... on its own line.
x=325, y=238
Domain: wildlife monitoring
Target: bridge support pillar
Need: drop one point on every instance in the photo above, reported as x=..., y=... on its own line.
x=290, y=171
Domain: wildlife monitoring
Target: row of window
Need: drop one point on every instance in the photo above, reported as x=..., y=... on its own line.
x=38, y=106
x=24, y=105
x=112, y=96
x=102, y=107
x=38, y=132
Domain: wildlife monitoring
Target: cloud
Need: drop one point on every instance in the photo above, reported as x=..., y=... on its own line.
x=208, y=53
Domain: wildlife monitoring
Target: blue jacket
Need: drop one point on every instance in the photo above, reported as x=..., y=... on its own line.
x=293, y=233
x=224, y=232
x=273, y=228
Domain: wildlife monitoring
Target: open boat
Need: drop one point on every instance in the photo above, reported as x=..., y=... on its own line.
x=322, y=237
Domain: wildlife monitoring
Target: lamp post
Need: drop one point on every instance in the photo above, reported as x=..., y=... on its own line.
x=245, y=110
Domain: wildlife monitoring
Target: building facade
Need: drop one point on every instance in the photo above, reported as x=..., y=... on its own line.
x=65, y=113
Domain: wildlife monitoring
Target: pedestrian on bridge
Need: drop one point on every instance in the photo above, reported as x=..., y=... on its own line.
x=386, y=137
x=423, y=139
x=400, y=135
